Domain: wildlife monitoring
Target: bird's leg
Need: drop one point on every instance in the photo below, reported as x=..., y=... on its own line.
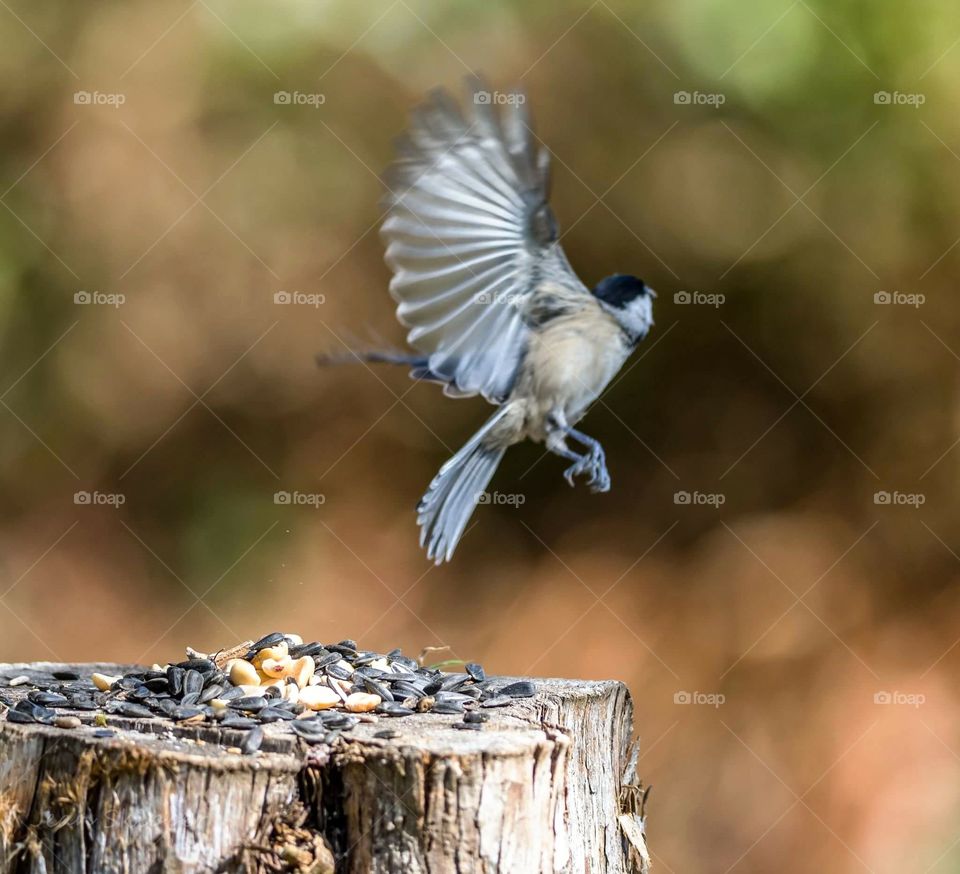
x=599, y=476
x=557, y=444
x=592, y=463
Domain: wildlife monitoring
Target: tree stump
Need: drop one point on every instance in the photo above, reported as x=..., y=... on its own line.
x=547, y=785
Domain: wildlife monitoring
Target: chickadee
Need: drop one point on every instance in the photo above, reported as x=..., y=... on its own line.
x=492, y=304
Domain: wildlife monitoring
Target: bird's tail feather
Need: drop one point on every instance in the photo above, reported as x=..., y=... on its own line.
x=445, y=509
x=420, y=364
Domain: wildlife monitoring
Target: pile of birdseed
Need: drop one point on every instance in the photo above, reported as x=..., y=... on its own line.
x=316, y=690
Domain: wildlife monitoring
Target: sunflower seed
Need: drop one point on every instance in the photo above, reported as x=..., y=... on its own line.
x=132, y=710
x=274, y=714
x=520, y=689
x=391, y=708
x=49, y=699
x=251, y=743
x=19, y=716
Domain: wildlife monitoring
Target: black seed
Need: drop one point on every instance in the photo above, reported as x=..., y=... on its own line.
x=403, y=661
x=322, y=661
x=211, y=692
x=82, y=702
x=214, y=678
x=37, y=711
x=305, y=649
x=308, y=727
x=104, y=732
x=19, y=716
x=186, y=712
x=475, y=716
x=273, y=714
x=407, y=690
x=338, y=672
x=167, y=706
x=132, y=710
x=65, y=675
x=451, y=681
x=232, y=693
x=251, y=743
x=496, y=701
x=378, y=689
x=269, y=640
x=521, y=689
x=458, y=697
x=476, y=671
x=192, y=682
x=387, y=734
x=190, y=699
x=447, y=707
x=468, y=726
x=158, y=684
x=252, y=704
x=48, y=699
x=201, y=666
x=272, y=692
x=175, y=679
x=391, y=708
x=234, y=720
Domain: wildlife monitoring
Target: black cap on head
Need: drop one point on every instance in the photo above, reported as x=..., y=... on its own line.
x=620, y=289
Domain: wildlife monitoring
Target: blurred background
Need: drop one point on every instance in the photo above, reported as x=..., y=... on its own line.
x=190, y=207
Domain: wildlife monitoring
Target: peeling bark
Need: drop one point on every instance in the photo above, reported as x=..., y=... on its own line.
x=546, y=786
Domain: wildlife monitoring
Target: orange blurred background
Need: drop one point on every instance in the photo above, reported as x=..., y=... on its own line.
x=775, y=571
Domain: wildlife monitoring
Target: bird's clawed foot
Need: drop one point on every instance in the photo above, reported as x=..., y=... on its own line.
x=594, y=464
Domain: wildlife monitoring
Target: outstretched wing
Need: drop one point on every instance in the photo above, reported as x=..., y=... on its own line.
x=470, y=235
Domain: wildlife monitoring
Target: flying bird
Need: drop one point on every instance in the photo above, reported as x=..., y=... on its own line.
x=491, y=301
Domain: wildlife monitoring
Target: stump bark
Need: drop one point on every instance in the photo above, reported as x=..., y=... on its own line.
x=546, y=786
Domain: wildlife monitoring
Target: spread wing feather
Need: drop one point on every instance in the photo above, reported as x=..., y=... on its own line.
x=469, y=235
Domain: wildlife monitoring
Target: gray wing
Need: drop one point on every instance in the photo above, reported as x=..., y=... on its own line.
x=470, y=235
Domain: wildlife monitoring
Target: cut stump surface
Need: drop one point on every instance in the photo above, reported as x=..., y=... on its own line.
x=547, y=785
